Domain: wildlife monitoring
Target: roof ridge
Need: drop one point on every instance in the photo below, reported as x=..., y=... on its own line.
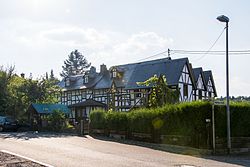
x=162, y=59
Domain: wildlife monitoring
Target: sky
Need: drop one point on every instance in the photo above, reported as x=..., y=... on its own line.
x=38, y=35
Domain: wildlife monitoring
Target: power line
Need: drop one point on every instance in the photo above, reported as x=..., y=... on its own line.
x=204, y=53
x=211, y=52
x=197, y=52
x=155, y=55
x=211, y=46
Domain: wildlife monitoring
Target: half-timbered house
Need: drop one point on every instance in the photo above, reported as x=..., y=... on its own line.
x=201, y=90
x=117, y=86
x=209, y=81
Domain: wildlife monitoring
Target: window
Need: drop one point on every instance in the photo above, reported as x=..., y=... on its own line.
x=114, y=73
x=209, y=94
x=86, y=79
x=69, y=96
x=67, y=82
x=200, y=94
x=185, y=90
x=137, y=93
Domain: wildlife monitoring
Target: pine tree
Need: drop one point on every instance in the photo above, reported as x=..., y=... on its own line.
x=75, y=64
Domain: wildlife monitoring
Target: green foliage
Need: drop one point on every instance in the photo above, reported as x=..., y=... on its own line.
x=4, y=80
x=111, y=120
x=141, y=120
x=161, y=93
x=57, y=121
x=185, y=119
x=240, y=116
x=17, y=93
x=75, y=64
x=97, y=118
x=116, y=121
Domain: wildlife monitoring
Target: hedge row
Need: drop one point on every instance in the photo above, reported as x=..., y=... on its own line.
x=185, y=119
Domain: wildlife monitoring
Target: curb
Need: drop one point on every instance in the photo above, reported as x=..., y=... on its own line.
x=30, y=159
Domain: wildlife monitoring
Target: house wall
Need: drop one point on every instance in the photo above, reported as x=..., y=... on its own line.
x=122, y=99
x=210, y=90
x=199, y=88
x=185, y=85
x=69, y=97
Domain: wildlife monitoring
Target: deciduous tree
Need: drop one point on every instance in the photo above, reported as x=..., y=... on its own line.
x=160, y=93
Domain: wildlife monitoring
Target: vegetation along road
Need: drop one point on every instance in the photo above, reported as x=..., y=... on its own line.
x=66, y=150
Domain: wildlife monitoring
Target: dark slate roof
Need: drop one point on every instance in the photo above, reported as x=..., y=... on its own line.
x=104, y=82
x=76, y=82
x=88, y=103
x=197, y=72
x=49, y=108
x=208, y=74
x=133, y=73
x=172, y=70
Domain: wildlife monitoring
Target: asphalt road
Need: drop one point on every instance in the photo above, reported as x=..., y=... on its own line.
x=69, y=151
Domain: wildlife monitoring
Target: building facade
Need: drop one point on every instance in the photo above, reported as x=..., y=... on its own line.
x=117, y=87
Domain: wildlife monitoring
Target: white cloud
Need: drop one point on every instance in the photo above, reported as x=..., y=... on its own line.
x=77, y=36
x=109, y=47
x=67, y=10
x=46, y=45
x=142, y=44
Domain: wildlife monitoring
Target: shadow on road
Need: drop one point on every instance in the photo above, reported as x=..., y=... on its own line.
x=242, y=159
x=32, y=135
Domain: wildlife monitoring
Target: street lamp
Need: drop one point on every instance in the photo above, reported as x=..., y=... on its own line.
x=225, y=19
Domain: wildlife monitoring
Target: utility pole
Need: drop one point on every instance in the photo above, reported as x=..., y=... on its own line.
x=225, y=19
x=213, y=125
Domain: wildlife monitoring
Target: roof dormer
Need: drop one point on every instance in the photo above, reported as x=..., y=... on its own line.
x=114, y=73
x=86, y=79
x=67, y=81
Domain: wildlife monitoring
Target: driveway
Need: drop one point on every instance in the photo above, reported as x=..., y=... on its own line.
x=68, y=150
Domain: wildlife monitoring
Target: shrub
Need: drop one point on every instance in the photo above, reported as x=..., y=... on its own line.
x=117, y=121
x=56, y=121
x=185, y=119
x=141, y=120
x=97, y=119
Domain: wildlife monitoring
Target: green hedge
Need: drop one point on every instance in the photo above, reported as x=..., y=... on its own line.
x=98, y=119
x=185, y=119
x=240, y=120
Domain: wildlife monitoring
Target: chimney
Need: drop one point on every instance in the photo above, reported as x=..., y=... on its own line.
x=103, y=68
x=92, y=70
x=22, y=75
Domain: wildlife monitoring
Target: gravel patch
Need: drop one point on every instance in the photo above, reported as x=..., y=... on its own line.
x=8, y=160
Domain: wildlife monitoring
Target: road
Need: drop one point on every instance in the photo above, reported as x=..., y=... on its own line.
x=68, y=151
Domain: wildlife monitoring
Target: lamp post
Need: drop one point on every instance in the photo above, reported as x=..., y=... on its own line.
x=225, y=19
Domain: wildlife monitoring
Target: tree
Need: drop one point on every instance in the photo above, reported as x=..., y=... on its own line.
x=160, y=93
x=57, y=120
x=75, y=64
x=5, y=76
x=17, y=93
